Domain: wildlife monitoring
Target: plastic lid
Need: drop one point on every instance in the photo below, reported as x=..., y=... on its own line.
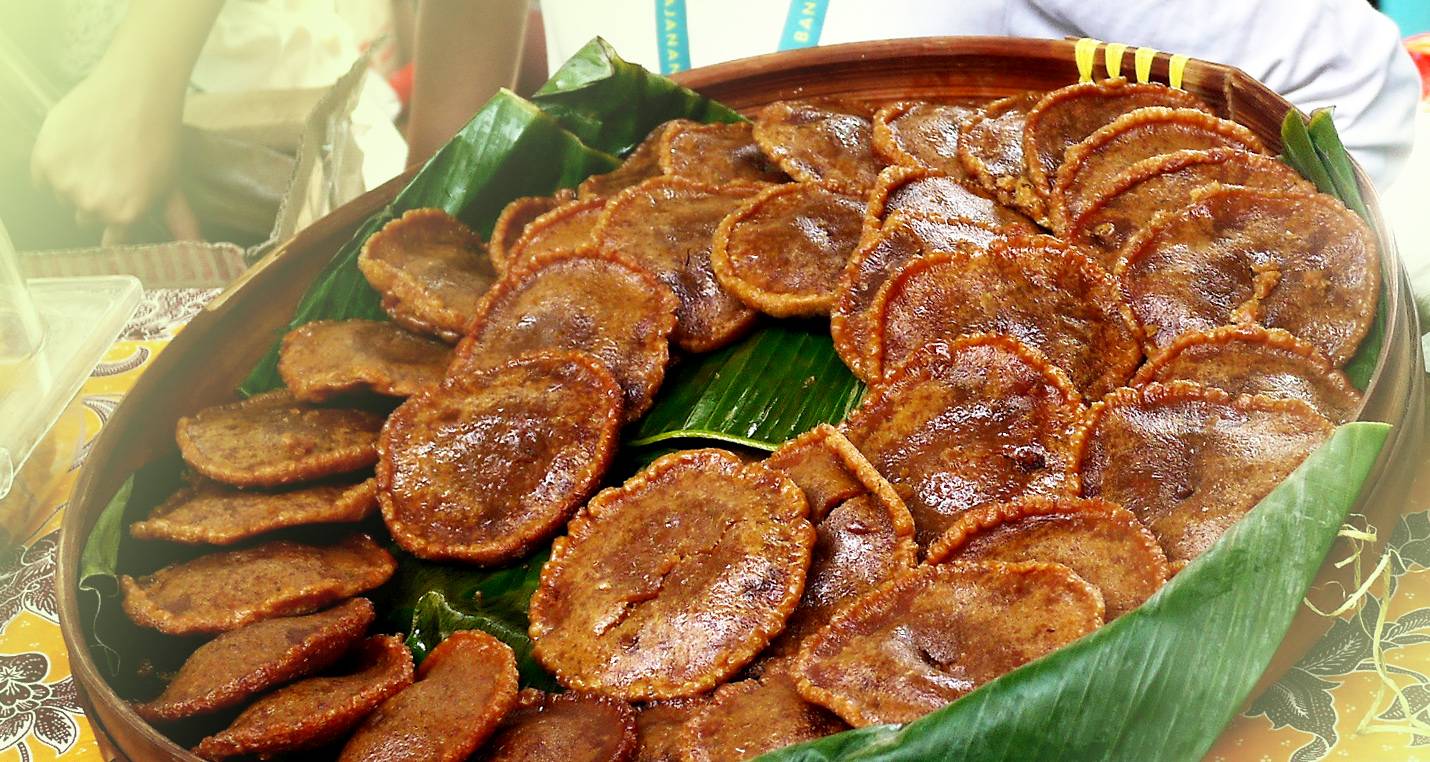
x=81, y=318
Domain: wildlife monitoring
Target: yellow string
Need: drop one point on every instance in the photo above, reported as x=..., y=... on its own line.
x=1175, y=66
x=1112, y=57
x=1407, y=725
x=1143, y=60
x=1386, y=684
x=1355, y=598
x=1085, y=53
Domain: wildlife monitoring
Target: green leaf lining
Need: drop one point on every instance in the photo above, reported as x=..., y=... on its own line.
x=431, y=601
x=1300, y=154
x=509, y=149
x=1161, y=681
x=98, y=569
x=1337, y=161
x=612, y=105
x=1317, y=153
x=776, y=384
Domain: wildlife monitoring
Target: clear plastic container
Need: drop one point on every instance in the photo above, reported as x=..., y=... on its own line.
x=53, y=332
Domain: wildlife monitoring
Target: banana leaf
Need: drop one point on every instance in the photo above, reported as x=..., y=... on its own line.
x=612, y=104
x=1317, y=153
x=509, y=149
x=431, y=601
x=1332, y=153
x=783, y=380
x=1161, y=681
x=1299, y=153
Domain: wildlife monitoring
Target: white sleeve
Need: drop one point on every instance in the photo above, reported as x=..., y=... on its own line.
x=1316, y=53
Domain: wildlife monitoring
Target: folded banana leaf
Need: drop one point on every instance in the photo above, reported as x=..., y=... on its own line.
x=509, y=149
x=1315, y=150
x=431, y=601
x=1158, y=683
x=611, y=105
x=783, y=380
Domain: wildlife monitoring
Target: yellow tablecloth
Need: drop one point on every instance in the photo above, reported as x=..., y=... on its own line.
x=1310, y=715
x=40, y=717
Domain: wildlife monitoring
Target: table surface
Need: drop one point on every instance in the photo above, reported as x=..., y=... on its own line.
x=1335, y=704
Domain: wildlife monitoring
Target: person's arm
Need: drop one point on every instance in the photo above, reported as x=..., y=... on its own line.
x=465, y=50
x=1340, y=53
x=110, y=145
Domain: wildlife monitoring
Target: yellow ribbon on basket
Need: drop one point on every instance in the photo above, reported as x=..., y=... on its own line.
x=1112, y=58
x=1085, y=54
x=1176, y=65
x=1142, y=59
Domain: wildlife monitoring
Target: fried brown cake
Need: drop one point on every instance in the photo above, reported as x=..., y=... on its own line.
x=981, y=419
x=565, y=727
x=271, y=439
x=922, y=134
x=1191, y=460
x=659, y=726
x=830, y=142
x=568, y=227
x=494, y=461
x=586, y=301
x=224, y=591
x=1301, y=262
x=932, y=635
x=1101, y=541
x=642, y=164
x=864, y=534
x=1066, y=116
x=326, y=358
x=1163, y=183
x=514, y=218
x=753, y=716
x=918, y=192
x=211, y=514
x=1250, y=359
x=899, y=241
x=1050, y=295
x=716, y=153
x=667, y=225
x=671, y=583
x=782, y=251
x=316, y=711
x=990, y=148
x=227, y=670
x=826, y=467
x=463, y=689
x=1093, y=166
x=430, y=269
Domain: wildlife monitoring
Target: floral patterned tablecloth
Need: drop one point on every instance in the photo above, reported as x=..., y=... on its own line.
x=1333, y=705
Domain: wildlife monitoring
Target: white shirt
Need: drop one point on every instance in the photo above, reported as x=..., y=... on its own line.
x=1316, y=53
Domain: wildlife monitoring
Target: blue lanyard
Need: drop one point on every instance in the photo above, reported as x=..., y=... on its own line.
x=803, y=24
x=673, y=36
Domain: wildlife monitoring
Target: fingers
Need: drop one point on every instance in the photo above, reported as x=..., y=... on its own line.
x=91, y=213
x=178, y=216
x=180, y=219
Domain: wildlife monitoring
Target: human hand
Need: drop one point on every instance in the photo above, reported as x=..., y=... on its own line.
x=109, y=148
